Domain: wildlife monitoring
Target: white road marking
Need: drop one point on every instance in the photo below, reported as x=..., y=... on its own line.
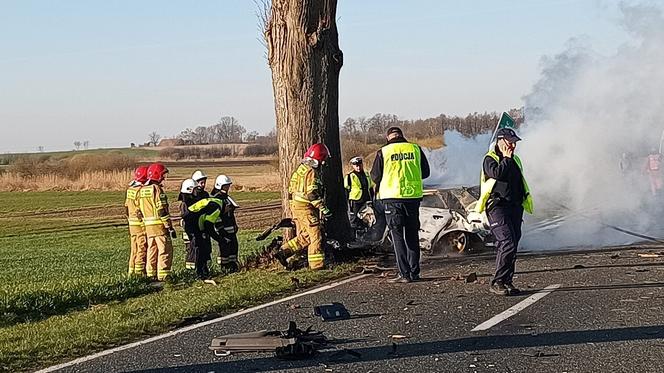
x=199, y=325
x=516, y=308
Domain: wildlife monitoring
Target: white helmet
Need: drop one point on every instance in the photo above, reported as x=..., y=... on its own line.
x=199, y=175
x=188, y=186
x=221, y=181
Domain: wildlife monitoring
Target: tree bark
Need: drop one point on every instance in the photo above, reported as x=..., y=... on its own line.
x=305, y=59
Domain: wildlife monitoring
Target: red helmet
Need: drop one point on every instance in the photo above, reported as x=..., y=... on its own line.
x=156, y=172
x=318, y=151
x=141, y=174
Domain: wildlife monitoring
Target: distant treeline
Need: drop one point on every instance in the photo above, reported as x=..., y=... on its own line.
x=370, y=130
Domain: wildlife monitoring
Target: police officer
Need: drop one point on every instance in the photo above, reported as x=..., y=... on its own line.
x=207, y=214
x=359, y=191
x=504, y=194
x=398, y=170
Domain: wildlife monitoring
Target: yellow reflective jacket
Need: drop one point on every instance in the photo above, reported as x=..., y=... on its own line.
x=354, y=187
x=134, y=215
x=208, y=210
x=402, y=171
x=154, y=208
x=305, y=187
x=487, y=184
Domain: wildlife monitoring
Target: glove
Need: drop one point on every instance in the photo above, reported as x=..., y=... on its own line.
x=173, y=233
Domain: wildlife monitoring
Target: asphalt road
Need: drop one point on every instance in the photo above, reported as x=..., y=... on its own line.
x=606, y=316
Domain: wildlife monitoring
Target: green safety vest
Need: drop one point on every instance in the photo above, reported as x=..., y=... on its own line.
x=354, y=186
x=487, y=184
x=214, y=217
x=402, y=171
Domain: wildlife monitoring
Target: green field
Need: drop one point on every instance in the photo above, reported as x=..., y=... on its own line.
x=63, y=288
x=132, y=152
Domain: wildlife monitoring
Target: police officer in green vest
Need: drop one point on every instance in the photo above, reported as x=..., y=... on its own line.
x=398, y=170
x=504, y=195
x=359, y=191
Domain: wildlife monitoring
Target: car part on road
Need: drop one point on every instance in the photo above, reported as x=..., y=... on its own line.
x=332, y=312
x=290, y=344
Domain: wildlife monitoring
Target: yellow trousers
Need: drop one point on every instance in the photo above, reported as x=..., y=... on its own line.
x=138, y=251
x=160, y=257
x=309, y=236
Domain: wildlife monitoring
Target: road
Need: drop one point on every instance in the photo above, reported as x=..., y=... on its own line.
x=606, y=315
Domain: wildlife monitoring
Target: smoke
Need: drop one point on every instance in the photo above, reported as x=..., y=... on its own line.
x=457, y=163
x=583, y=114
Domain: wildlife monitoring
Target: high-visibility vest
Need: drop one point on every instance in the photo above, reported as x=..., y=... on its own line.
x=305, y=187
x=654, y=161
x=487, y=184
x=402, y=171
x=354, y=186
x=134, y=216
x=209, y=210
x=153, y=203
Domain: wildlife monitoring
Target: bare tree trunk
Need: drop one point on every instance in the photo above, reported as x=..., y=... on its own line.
x=305, y=59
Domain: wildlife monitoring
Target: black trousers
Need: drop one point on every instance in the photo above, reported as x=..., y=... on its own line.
x=201, y=248
x=505, y=222
x=403, y=220
x=228, y=249
x=353, y=208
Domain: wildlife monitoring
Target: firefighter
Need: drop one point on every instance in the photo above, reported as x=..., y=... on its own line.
x=398, y=170
x=207, y=215
x=138, y=251
x=158, y=227
x=359, y=191
x=653, y=168
x=505, y=195
x=306, y=203
x=228, y=243
x=201, y=179
x=187, y=198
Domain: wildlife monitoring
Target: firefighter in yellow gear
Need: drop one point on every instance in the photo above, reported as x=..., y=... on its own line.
x=306, y=204
x=139, y=244
x=159, y=230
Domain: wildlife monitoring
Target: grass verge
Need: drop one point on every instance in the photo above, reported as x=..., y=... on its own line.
x=31, y=345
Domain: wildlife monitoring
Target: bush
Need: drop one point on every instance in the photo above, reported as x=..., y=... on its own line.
x=260, y=149
x=195, y=152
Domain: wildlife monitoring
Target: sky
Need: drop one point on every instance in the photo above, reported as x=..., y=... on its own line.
x=110, y=72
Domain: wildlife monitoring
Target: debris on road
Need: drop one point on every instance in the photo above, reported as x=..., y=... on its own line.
x=332, y=312
x=397, y=336
x=290, y=344
x=649, y=255
x=470, y=278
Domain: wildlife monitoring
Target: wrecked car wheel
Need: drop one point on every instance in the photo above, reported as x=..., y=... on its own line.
x=452, y=243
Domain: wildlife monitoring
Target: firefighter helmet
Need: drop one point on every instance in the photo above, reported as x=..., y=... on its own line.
x=221, y=181
x=157, y=172
x=199, y=175
x=188, y=186
x=317, y=152
x=141, y=174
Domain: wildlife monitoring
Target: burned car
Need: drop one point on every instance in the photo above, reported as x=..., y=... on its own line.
x=448, y=223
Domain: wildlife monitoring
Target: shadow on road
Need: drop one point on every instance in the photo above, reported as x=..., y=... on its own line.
x=467, y=344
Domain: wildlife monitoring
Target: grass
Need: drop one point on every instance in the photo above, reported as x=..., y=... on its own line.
x=63, y=288
x=133, y=152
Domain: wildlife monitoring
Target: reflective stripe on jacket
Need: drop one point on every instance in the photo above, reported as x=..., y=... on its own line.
x=353, y=185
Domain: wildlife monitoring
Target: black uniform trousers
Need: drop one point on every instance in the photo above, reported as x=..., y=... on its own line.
x=505, y=222
x=353, y=208
x=403, y=220
x=201, y=249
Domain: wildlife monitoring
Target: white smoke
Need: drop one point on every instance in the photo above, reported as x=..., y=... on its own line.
x=581, y=116
x=586, y=111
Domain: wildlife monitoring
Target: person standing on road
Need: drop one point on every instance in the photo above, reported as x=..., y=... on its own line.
x=158, y=226
x=306, y=203
x=228, y=243
x=139, y=245
x=398, y=171
x=504, y=194
x=653, y=168
x=201, y=179
x=359, y=191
